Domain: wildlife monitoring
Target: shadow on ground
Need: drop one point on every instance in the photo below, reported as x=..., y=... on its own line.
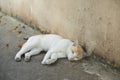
x=14, y=33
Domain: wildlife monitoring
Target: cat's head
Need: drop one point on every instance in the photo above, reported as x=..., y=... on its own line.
x=77, y=52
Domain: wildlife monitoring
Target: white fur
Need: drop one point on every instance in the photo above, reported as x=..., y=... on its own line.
x=55, y=45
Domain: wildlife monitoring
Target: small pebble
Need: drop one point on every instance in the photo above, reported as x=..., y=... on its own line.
x=20, y=46
x=7, y=45
x=23, y=27
x=25, y=38
x=19, y=32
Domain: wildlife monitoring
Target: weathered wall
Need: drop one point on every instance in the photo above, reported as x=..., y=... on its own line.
x=95, y=23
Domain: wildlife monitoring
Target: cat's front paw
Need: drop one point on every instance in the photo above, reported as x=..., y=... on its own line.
x=17, y=58
x=50, y=61
x=43, y=62
x=27, y=59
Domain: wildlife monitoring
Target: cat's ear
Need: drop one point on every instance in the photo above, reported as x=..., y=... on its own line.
x=76, y=43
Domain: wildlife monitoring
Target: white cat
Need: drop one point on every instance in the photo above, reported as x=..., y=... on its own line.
x=55, y=45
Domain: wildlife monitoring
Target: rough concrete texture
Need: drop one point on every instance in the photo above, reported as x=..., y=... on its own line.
x=95, y=23
x=14, y=33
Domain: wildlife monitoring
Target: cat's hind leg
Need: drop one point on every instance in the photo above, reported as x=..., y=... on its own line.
x=25, y=48
x=31, y=53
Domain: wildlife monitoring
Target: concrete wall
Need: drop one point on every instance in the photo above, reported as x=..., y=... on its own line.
x=95, y=23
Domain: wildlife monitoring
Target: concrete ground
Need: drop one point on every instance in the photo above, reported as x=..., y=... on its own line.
x=14, y=33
